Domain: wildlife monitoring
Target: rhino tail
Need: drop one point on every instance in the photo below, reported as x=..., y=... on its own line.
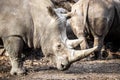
x=86, y=12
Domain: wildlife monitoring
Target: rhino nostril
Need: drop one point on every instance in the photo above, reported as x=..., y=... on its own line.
x=62, y=65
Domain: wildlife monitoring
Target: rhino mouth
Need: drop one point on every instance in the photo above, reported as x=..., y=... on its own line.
x=64, y=67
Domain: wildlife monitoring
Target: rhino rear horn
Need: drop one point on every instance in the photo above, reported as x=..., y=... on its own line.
x=73, y=43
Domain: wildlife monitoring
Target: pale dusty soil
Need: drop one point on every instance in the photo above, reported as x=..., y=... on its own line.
x=82, y=70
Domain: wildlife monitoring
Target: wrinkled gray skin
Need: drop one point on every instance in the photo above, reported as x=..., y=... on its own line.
x=94, y=17
x=35, y=24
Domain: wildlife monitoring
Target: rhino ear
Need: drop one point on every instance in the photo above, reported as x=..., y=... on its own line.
x=51, y=12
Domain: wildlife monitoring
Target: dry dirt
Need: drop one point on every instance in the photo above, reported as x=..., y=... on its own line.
x=41, y=69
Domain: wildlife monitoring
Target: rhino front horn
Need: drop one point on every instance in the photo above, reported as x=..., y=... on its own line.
x=79, y=54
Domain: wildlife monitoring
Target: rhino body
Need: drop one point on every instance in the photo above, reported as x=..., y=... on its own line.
x=97, y=19
x=34, y=24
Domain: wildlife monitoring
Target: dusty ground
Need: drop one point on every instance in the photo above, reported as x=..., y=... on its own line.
x=82, y=70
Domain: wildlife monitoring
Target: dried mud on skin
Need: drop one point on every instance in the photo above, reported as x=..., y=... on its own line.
x=41, y=69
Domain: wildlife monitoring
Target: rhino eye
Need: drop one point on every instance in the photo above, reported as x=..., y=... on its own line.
x=59, y=46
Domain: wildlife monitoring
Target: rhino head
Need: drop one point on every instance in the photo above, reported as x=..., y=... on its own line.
x=58, y=47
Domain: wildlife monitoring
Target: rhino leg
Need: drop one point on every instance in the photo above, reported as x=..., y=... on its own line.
x=100, y=52
x=104, y=52
x=100, y=31
x=14, y=46
x=98, y=42
x=84, y=44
